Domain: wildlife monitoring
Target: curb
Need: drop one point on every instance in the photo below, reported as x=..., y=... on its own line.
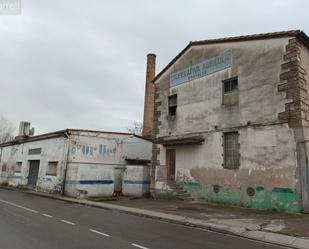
x=268, y=237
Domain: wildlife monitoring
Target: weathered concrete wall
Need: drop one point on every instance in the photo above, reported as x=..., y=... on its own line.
x=89, y=179
x=52, y=150
x=257, y=65
x=107, y=148
x=96, y=162
x=105, y=155
x=137, y=148
x=92, y=159
x=136, y=180
x=268, y=162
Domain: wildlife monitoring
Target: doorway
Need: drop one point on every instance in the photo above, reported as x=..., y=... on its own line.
x=170, y=163
x=34, y=166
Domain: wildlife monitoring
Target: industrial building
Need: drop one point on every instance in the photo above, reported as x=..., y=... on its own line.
x=77, y=162
x=231, y=122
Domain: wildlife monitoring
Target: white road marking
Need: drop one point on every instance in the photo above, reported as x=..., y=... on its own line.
x=95, y=231
x=15, y=205
x=68, y=222
x=139, y=246
x=47, y=215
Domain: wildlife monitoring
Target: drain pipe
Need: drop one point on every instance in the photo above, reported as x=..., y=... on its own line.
x=66, y=162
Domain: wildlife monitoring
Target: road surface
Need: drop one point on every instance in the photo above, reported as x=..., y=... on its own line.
x=32, y=222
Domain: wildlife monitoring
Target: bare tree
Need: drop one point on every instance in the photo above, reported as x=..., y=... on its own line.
x=6, y=130
x=136, y=128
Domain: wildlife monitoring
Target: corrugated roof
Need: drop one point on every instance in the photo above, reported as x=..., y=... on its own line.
x=296, y=33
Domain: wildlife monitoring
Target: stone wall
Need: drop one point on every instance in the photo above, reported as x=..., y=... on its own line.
x=294, y=84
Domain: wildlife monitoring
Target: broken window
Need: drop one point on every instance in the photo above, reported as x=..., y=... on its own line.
x=231, y=150
x=172, y=105
x=52, y=168
x=18, y=167
x=230, y=85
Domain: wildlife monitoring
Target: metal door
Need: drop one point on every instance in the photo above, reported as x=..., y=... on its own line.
x=33, y=173
x=170, y=162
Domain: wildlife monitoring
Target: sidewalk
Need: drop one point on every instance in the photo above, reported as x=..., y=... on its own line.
x=291, y=230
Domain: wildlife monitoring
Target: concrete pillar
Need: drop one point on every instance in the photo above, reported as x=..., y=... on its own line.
x=149, y=96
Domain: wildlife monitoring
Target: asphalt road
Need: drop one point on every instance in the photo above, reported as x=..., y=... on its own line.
x=32, y=222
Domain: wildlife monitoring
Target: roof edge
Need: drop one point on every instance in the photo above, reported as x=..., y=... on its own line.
x=64, y=133
x=61, y=133
x=262, y=36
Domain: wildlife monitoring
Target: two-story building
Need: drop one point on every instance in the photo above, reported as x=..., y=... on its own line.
x=231, y=119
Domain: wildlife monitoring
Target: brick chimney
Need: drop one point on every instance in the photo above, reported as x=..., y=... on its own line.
x=149, y=96
x=24, y=130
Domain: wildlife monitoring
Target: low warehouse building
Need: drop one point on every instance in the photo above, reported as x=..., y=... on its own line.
x=77, y=162
x=231, y=121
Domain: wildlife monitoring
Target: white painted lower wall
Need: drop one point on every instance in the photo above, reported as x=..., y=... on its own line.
x=136, y=180
x=89, y=179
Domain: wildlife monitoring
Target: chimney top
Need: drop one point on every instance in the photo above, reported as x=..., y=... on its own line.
x=151, y=55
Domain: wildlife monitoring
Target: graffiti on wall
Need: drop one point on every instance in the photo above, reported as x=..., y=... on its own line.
x=104, y=150
x=108, y=148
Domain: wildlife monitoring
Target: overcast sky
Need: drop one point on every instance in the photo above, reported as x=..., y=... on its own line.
x=81, y=64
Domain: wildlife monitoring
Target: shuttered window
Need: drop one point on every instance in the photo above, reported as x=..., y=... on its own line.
x=52, y=168
x=18, y=167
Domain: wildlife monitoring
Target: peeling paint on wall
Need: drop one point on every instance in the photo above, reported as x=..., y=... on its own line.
x=268, y=176
x=281, y=199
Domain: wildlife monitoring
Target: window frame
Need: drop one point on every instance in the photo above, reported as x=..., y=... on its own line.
x=35, y=151
x=20, y=164
x=231, y=155
x=172, y=107
x=230, y=82
x=47, y=168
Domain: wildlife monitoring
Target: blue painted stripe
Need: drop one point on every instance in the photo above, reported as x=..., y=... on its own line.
x=89, y=182
x=15, y=177
x=136, y=182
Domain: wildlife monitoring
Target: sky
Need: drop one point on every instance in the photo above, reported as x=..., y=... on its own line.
x=81, y=63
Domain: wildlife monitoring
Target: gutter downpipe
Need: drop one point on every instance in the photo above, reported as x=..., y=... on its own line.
x=66, y=163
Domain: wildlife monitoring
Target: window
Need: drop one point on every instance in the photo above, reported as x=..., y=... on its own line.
x=18, y=167
x=36, y=151
x=230, y=85
x=52, y=168
x=231, y=150
x=172, y=105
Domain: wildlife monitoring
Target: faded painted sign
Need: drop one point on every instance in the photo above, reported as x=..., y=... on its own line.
x=108, y=148
x=202, y=69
